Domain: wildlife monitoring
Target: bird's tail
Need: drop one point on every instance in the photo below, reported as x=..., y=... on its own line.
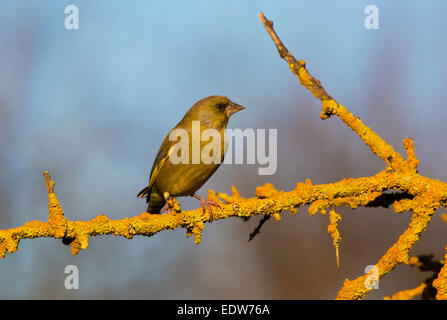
x=144, y=194
x=155, y=200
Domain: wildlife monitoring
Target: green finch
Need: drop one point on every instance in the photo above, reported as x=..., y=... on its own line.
x=184, y=177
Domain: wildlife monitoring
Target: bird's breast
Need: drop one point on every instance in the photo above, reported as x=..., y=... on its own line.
x=204, y=157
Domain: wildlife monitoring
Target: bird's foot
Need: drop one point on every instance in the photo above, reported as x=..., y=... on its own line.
x=171, y=205
x=205, y=203
x=168, y=208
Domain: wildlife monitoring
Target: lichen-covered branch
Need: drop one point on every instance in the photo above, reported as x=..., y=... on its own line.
x=411, y=192
x=428, y=195
x=426, y=289
x=440, y=283
x=407, y=294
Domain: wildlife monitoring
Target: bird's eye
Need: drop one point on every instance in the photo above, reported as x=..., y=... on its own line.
x=220, y=106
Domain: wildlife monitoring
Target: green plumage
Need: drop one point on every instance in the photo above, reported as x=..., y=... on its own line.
x=184, y=179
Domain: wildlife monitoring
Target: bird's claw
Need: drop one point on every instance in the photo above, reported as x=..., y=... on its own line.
x=171, y=205
x=168, y=208
x=205, y=203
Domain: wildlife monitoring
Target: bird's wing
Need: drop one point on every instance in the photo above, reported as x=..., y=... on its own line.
x=163, y=154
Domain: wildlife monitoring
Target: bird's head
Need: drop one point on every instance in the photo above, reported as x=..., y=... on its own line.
x=214, y=111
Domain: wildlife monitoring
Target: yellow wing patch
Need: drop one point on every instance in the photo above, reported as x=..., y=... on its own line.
x=159, y=166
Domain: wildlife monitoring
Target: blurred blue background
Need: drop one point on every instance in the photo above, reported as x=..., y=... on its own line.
x=92, y=106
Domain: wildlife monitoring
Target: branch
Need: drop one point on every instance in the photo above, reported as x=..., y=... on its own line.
x=407, y=294
x=330, y=106
x=428, y=195
x=440, y=283
x=267, y=202
x=257, y=230
x=426, y=289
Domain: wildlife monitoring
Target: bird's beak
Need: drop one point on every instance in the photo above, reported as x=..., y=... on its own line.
x=233, y=108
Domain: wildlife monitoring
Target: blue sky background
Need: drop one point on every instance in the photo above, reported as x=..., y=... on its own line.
x=93, y=105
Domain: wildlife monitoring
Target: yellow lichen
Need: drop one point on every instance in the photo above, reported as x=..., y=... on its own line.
x=440, y=283
x=332, y=229
x=444, y=217
x=407, y=294
x=266, y=191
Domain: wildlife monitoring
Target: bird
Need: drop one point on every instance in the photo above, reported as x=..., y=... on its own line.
x=170, y=179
